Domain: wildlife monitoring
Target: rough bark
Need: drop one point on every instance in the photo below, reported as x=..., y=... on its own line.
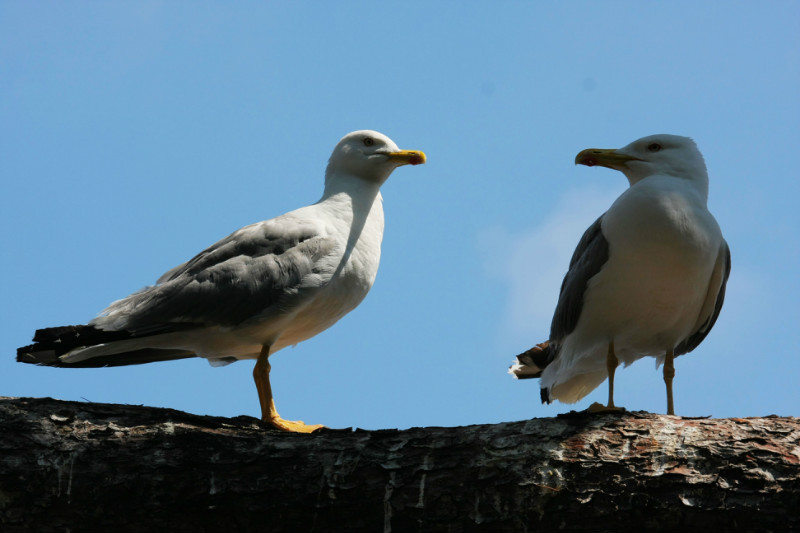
x=67, y=466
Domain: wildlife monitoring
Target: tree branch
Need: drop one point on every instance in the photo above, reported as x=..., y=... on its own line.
x=101, y=467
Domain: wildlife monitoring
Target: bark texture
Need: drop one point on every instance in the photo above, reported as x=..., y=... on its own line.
x=68, y=466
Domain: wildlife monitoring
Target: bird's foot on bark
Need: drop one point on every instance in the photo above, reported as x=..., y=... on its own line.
x=600, y=408
x=293, y=426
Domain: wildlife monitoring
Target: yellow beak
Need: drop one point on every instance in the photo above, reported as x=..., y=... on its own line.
x=608, y=158
x=407, y=157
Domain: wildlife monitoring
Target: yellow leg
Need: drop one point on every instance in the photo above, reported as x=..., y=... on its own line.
x=268, y=412
x=669, y=373
x=611, y=365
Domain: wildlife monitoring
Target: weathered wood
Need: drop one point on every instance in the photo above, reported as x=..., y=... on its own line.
x=67, y=466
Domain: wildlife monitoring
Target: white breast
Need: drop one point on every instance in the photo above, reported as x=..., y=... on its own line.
x=352, y=268
x=663, y=245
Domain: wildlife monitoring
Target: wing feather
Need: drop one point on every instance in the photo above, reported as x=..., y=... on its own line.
x=715, y=295
x=588, y=259
x=251, y=272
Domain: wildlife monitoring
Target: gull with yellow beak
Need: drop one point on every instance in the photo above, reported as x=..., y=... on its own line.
x=647, y=278
x=266, y=286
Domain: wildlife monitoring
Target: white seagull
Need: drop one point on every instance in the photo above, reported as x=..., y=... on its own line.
x=647, y=278
x=266, y=286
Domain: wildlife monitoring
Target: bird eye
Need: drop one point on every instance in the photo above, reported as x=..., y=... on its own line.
x=655, y=147
x=369, y=141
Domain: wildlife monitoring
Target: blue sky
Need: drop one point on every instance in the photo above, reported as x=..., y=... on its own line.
x=135, y=134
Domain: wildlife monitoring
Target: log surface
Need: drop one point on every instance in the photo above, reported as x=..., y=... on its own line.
x=70, y=466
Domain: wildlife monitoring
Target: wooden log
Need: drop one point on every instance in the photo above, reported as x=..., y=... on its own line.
x=70, y=466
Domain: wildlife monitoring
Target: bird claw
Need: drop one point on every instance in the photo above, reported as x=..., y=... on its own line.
x=600, y=408
x=293, y=426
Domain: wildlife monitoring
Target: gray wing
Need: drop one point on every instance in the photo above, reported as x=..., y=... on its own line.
x=256, y=269
x=587, y=260
x=589, y=257
x=716, y=294
x=253, y=241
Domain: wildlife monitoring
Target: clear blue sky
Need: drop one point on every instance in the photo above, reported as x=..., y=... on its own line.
x=135, y=134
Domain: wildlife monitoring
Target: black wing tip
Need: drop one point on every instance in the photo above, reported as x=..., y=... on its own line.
x=44, y=357
x=529, y=376
x=545, y=394
x=34, y=355
x=57, y=333
x=51, y=343
x=540, y=356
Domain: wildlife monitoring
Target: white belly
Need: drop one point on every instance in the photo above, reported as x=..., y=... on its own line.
x=646, y=300
x=648, y=296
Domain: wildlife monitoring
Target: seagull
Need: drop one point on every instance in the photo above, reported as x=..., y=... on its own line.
x=264, y=287
x=647, y=278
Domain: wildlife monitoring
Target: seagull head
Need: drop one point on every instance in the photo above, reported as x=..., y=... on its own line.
x=371, y=156
x=664, y=154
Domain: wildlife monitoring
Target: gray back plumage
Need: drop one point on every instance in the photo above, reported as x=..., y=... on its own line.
x=254, y=271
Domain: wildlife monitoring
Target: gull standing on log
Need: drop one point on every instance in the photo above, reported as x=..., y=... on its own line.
x=647, y=278
x=266, y=286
